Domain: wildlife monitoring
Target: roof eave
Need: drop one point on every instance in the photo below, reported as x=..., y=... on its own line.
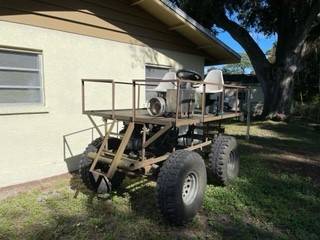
x=199, y=27
x=214, y=51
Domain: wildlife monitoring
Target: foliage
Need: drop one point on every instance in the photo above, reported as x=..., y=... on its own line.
x=276, y=197
x=262, y=16
x=239, y=68
x=309, y=111
x=271, y=53
x=295, y=23
x=307, y=80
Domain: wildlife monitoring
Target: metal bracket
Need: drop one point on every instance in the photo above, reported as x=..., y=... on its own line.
x=117, y=158
x=104, y=142
x=95, y=125
x=157, y=135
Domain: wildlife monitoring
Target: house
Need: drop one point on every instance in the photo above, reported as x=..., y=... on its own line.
x=47, y=47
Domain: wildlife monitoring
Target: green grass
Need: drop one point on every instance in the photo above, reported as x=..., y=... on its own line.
x=277, y=196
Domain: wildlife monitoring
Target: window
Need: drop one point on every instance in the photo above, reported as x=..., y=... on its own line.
x=20, y=77
x=154, y=72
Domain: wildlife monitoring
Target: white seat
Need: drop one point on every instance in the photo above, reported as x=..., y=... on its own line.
x=216, y=77
x=164, y=86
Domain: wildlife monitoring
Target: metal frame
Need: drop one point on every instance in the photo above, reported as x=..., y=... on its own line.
x=177, y=122
x=122, y=162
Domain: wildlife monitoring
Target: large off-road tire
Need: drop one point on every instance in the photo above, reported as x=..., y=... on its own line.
x=180, y=186
x=224, y=161
x=87, y=177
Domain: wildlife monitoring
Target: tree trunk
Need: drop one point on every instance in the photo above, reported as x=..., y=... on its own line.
x=277, y=85
x=277, y=99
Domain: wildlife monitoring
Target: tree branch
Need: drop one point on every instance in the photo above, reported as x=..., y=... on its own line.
x=256, y=55
x=292, y=37
x=310, y=23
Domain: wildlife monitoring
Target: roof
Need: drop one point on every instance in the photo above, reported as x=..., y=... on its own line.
x=177, y=20
x=243, y=79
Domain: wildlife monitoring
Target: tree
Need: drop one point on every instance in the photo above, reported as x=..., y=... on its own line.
x=239, y=68
x=293, y=21
x=307, y=81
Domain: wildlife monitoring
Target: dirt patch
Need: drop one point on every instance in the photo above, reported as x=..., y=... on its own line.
x=42, y=184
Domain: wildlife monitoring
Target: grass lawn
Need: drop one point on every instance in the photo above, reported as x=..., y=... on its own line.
x=277, y=196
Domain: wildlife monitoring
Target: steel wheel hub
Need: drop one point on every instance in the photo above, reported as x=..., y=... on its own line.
x=190, y=188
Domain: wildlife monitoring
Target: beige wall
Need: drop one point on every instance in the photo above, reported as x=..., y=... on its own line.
x=106, y=19
x=31, y=145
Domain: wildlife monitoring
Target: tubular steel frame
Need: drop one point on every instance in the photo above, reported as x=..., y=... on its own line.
x=120, y=161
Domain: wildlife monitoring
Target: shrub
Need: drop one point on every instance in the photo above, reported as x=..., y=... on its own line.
x=309, y=111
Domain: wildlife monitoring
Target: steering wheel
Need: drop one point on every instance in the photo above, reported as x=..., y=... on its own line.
x=188, y=75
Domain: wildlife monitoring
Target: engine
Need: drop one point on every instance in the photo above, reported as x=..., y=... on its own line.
x=165, y=103
x=159, y=147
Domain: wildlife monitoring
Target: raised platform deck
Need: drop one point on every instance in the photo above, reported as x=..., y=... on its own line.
x=142, y=116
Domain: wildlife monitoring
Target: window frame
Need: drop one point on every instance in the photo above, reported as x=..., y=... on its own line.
x=159, y=66
x=40, y=70
x=168, y=67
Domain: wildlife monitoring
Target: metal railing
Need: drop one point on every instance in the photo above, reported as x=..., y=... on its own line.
x=137, y=83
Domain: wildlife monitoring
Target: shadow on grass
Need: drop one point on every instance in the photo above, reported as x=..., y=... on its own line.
x=234, y=228
x=277, y=195
x=265, y=204
x=77, y=213
x=296, y=138
x=296, y=154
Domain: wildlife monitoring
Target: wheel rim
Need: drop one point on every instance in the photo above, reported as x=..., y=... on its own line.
x=231, y=163
x=190, y=188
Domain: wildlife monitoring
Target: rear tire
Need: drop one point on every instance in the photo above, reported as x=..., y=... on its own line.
x=180, y=186
x=85, y=163
x=224, y=160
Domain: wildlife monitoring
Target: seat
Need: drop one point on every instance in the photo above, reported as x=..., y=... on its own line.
x=213, y=91
x=216, y=77
x=164, y=86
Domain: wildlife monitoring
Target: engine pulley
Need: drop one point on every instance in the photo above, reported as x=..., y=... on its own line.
x=156, y=106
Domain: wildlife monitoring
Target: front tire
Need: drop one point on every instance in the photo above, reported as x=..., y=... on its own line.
x=180, y=186
x=90, y=181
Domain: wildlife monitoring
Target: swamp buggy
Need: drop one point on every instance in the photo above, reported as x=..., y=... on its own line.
x=168, y=139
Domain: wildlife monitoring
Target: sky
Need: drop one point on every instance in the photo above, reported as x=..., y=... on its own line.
x=264, y=42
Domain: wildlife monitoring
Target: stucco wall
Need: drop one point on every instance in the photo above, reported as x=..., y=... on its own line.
x=31, y=144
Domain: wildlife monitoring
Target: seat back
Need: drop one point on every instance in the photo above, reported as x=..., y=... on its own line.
x=164, y=86
x=216, y=77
